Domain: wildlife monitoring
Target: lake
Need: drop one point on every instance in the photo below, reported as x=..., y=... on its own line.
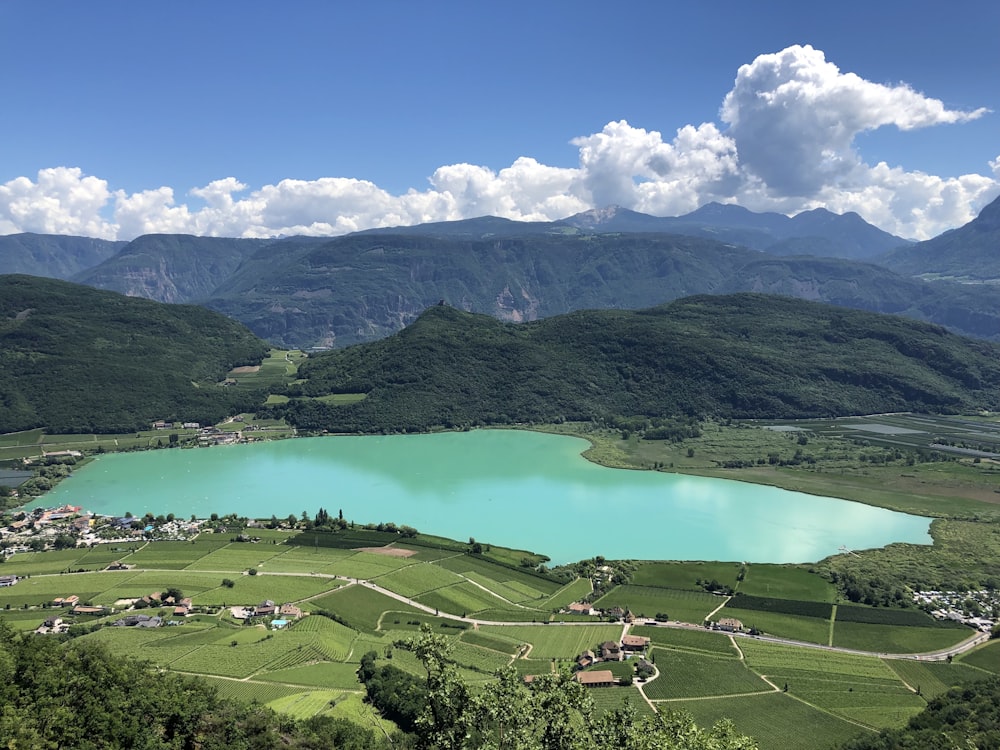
x=513, y=488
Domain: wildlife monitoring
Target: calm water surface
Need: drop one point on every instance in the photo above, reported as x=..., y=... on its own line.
x=517, y=489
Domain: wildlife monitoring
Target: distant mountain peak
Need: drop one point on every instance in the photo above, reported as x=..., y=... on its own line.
x=595, y=217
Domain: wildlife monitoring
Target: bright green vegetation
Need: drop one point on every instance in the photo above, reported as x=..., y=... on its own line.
x=963, y=717
x=687, y=675
x=685, y=575
x=686, y=606
x=309, y=668
x=861, y=689
x=451, y=368
x=778, y=721
x=933, y=678
x=893, y=639
x=704, y=641
x=986, y=657
x=364, y=608
x=795, y=627
x=555, y=642
x=786, y=582
x=80, y=360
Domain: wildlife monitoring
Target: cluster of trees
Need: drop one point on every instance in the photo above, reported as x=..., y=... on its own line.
x=554, y=712
x=78, y=360
x=964, y=717
x=77, y=694
x=80, y=695
x=726, y=357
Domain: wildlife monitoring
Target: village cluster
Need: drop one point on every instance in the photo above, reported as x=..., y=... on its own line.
x=977, y=609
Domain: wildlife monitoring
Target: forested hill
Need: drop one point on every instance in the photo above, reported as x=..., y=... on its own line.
x=742, y=355
x=77, y=359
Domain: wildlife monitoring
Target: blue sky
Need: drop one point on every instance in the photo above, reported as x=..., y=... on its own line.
x=250, y=118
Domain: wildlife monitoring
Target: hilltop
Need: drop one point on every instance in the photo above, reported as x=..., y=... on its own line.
x=77, y=359
x=738, y=356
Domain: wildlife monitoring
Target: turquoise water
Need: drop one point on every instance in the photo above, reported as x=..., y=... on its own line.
x=512, y=488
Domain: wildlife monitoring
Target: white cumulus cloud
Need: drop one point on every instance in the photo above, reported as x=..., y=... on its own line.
x=794, y=117
x=785, y=142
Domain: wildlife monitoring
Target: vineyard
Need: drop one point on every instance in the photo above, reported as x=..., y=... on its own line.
x=688, y=675
x=309, y=667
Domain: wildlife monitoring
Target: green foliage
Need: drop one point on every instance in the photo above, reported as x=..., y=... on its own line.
x=724, y=356
x=79, y=695
x=79, y=360
x=963, y=717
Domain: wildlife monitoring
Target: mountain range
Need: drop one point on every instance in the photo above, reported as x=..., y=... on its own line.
x=325, y=292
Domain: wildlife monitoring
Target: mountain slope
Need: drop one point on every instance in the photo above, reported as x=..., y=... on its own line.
x=970, y=253
x=77, y=359
x=743, y=355
x=170, y=267
x=366, y=286
x=52, y=255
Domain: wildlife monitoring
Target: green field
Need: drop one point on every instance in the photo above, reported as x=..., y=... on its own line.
x=684, y=674
x=778, y=721
x=555, y=642
x=809, y=629
x=895, y=639
x=363, y=607
x=785, y=582
x=705, y=641
x=684, y=575
x=686, y=606
x=932, y=678
x=985, y=657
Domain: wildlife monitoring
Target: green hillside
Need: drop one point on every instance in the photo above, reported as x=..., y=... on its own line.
x=76, y=359
x=744, y=355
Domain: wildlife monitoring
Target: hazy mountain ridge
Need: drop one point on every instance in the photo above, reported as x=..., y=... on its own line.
x=970, y=253
x=304, y=292
x=53, y=255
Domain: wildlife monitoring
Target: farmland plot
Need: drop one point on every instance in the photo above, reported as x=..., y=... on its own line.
x=169, y=555
x=688, y=675
x=610, y=699
x=687, y=606
x=361, y=606
x=704, y=641
x=414, y=580
x=250, y=691
x=770, y=658
x=38, y=563
x=777, y=721
x=683, y=575
x=466, y=598
x=809, y=629
x=933, y=678
x=237, y=557
x=571, y=592
x=986, y=657
x=785, y=582
x=557, y=642
x=323, y=674
x=305, y=705
x=895, y=639
x=364, y=565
